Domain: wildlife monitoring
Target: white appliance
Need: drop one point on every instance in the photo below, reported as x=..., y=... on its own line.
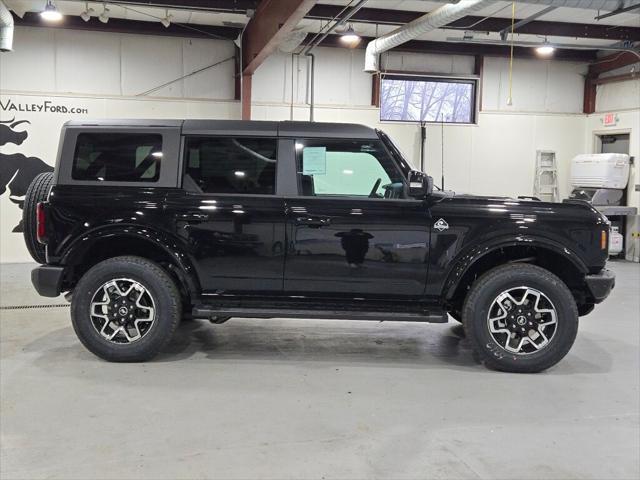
x=600, y=170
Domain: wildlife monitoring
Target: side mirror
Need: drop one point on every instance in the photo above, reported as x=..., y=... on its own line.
x=420, y=184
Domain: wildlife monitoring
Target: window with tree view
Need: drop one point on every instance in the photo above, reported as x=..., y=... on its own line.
x=422, y=99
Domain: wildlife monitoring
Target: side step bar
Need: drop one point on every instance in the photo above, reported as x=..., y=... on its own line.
x=208, y=311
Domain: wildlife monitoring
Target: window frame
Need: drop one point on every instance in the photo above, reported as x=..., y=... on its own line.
x=472, y=80
x=169, y=168
x=350, y=197
x=184, y=163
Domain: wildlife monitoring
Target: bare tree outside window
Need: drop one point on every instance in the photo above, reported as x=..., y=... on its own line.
x=427, y=100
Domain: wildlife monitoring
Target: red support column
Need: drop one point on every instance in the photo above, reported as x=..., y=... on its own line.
x=246, y=97
x=590, y=87
x=375, y=90
x=478, y=69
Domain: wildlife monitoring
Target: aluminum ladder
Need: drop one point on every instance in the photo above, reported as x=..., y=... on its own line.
x=545, y=185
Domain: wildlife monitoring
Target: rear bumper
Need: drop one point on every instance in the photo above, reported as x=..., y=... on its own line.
x=47, y=280
x=601, y=284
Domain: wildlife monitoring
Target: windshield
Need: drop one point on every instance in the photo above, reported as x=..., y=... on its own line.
x=395, y=151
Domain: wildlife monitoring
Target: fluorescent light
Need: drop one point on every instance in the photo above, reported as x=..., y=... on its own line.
x=51, y=13
x=239, y=174
x=545, y=50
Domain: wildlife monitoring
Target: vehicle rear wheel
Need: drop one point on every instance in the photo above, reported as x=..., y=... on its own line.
x=520, y=318
x=37, y=192
x=125, y=309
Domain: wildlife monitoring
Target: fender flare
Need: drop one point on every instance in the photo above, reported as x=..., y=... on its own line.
x=465, y=259
x=171, y=246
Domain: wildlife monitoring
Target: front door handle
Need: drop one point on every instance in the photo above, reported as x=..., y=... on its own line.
x=313, y=222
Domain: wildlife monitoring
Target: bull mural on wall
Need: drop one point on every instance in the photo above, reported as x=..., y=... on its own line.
x=17, y=171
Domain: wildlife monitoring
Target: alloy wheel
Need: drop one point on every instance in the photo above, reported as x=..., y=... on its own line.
x=122, y=311
x=522, y=320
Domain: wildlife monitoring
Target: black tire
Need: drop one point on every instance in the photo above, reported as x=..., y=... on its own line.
x=480, y=299
x=37, y=192
x=162, y=290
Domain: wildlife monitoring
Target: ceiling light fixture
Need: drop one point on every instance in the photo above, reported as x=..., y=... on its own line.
x=51, y=13
x=104, y=16
x=166, y=21
x=545, y=49
x=86, y=15
x=350, y=37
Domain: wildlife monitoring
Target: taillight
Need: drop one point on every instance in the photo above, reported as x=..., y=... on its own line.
x=41, y=224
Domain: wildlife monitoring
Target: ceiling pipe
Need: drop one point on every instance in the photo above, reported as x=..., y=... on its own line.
x=609, y=5
x=439, y=17
x=451, y=12
x=6, y=28
x=585, y=4
x=524, y=43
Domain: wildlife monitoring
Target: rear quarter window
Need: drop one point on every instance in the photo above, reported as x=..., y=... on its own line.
x=117, y=157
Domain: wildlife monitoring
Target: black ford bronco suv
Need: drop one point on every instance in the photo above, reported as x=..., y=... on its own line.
x=146, y=222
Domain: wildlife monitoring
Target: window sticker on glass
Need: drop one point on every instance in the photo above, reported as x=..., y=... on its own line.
x=314, y=161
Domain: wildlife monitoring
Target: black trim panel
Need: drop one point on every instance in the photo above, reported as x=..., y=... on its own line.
x=47, y=280
x=601, y=284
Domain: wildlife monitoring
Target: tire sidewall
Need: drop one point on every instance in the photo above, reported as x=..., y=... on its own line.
x=567, y=320
x=166, y=312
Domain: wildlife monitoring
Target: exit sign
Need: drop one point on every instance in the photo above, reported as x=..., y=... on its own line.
x=610, y=119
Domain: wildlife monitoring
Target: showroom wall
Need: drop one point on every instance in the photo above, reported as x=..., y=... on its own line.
x=55, y=75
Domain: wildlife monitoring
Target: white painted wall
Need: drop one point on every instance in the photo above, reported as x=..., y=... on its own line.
x=613, y=97
x=49, y=60
x=104, y=73
x=538, y=86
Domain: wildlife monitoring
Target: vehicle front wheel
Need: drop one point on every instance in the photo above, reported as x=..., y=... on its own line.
x=520, y=318
x=125, y=309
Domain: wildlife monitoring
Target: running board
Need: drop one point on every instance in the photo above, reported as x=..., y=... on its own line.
x=208, y=311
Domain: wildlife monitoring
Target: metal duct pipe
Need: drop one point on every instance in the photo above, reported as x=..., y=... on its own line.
x=6, y=28
x=439, y=17
x=451, y=12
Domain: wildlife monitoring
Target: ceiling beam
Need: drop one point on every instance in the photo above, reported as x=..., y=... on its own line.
x=521, y=23
x=447, y=48
x=492, y=24
x=231, y=6
x=400, y=17
x=612, y=62
x=271, y=23
x=121, y=25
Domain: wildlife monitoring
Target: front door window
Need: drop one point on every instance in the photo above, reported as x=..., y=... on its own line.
x=347, y=168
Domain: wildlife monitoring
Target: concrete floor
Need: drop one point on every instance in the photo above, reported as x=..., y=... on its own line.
x=316, y=399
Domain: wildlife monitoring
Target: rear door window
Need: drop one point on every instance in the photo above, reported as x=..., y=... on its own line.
x=232, y=165
x=117, y=157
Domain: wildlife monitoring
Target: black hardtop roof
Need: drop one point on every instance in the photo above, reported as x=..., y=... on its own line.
x=258, y=128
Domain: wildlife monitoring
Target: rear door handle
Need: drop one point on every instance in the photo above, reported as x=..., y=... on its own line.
x=194, y=217
x=313, y=222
